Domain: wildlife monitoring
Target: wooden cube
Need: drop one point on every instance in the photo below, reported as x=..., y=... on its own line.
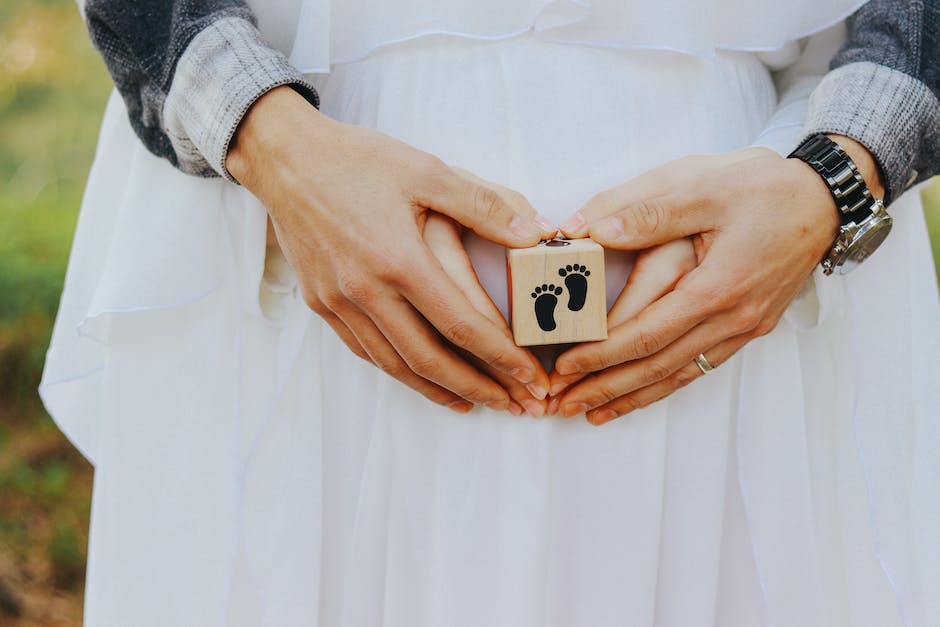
x=557, y=293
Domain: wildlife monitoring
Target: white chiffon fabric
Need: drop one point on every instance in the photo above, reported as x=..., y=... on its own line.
x=251, y=471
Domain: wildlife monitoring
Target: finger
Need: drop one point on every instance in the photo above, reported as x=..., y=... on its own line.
x=654, y=328
x=655, y=273
x=617, y=381
x=608, y=202
x=522, y=400
x=684, y=173
x=442, y=236
x=558, y=383
x=481, y=208
x=661, y=389
x=513, y=198
x=654, y=220
x=347, y=336
x=381, y=353
x=444, y=301
x=421, y=348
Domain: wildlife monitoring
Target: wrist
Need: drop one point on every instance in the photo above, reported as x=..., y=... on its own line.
x=264, y=136
x=814, y=194
x=864, y=221
x=864, y=161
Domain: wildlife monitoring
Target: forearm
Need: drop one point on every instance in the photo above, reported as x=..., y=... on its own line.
x=188, y=71
x=883, y=90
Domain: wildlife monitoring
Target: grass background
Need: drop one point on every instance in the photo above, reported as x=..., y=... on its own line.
x=53, y=87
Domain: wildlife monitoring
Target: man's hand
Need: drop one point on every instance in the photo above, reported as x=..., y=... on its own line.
x=656, y=271
x=760, y=225
x=349, y=206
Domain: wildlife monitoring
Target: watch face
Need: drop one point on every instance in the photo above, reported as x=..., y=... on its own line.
x=871, y=233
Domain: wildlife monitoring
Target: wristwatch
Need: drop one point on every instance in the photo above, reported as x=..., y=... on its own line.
x=865, y=221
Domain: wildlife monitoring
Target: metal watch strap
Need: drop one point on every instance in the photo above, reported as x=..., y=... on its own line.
x=840, y=173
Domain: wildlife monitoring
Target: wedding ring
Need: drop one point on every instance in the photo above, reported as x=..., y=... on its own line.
x=703, y=364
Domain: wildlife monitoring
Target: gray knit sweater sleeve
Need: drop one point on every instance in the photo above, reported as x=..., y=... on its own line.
x=188, y=70
x=883, y=90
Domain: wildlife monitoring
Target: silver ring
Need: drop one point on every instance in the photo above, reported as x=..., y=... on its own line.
x=703, y=364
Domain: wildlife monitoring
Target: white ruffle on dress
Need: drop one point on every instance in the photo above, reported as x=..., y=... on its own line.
x=251, y=471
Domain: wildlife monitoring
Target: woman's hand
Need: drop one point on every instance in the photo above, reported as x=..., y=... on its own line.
x=443, y=237
x=348, y=206
x=760, y=224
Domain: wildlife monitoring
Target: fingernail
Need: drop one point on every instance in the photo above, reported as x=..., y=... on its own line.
x=534, y=408
x=545, y=223
x=573, y=409
x=523, y=375
x=515, y=409
x=461, y=407
x=567, y=367
x=600, y=417
x=498, y=405
x=536, y=390
x=524, y=227
x=557, y=389
x=574, y=224
x=609, y=229
x=553, y=406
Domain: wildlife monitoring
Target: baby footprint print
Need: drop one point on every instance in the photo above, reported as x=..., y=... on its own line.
x=576, y=281
x=546, y=297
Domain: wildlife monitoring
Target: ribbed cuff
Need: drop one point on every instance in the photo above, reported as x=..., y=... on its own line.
x=223, y=71
x=884, y=109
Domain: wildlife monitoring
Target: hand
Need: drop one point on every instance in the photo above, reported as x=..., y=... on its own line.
x=443, y=237
x=655, y=273
x=760, y=225
x=348, y=206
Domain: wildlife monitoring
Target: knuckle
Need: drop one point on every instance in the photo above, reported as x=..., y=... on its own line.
x=477, y=394
x=748, y=318
x=393, y=368
x=603, y=393
x=649, y=216
x=357, y=292
x=627, y=404
x=397, y=267
x=487, y=203
x=646, y=343
x=424, y=365
x=460, y=333
x=432, y=166
x=595, y=361
x=764, y=327
x=315, y=304
x=687, y=375
x=499, y=358
x=331, y=301
x=654, y=371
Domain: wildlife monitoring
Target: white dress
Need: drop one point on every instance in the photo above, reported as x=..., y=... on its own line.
x=251, y=471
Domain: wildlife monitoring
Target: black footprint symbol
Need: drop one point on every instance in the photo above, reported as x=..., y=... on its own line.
x=546, y=297
x=576, y=282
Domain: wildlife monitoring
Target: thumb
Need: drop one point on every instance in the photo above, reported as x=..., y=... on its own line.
x=505, y=218
x=649, y=222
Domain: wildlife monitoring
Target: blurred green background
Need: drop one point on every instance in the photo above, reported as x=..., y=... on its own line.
x=53, y=88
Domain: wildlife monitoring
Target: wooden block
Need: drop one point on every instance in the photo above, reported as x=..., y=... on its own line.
x=557, y=293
